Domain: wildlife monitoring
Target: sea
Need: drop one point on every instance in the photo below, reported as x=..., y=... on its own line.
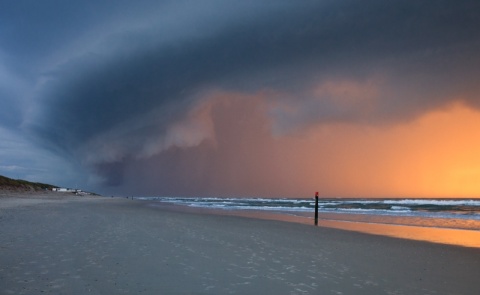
x=447, y=221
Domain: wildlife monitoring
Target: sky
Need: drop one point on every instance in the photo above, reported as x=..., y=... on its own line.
x=276, y=98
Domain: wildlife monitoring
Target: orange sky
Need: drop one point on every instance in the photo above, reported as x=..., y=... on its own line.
x=437, y=155
x=348, y=98
x=238, y=155
x=434, y=155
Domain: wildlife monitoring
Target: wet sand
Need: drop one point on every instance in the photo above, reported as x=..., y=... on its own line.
x=94, y=245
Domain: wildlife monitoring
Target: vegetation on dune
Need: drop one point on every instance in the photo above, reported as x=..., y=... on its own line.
x=18, y=184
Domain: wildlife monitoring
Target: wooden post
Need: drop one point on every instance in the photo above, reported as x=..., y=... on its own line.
x=316, y=208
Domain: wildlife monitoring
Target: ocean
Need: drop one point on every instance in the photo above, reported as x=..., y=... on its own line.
x=450, y=221
x=443, y=213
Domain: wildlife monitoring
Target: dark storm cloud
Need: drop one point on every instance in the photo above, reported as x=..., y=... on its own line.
x=297, y=44
x=108, y=80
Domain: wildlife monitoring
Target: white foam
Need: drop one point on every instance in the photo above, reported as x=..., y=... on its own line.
x=434, y=202
x=401, y=207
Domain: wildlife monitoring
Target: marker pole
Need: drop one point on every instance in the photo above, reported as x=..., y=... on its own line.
x=316, y=208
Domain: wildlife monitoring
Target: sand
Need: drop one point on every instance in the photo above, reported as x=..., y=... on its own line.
x=95, y=245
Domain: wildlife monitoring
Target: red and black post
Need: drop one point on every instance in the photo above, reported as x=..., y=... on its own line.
x=316, y=208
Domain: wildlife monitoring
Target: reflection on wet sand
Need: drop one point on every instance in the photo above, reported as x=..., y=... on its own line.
x=466, y=238
x=458, y=237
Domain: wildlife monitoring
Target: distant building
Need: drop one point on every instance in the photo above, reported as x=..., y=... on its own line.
x=64, y=190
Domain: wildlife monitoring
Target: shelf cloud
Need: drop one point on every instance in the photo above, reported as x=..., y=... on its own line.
x=227, y=97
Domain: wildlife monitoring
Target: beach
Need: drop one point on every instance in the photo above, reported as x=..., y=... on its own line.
x=98, y=245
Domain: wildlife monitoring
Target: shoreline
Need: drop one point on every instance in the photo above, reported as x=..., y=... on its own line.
x=445, y=236
x=105, y=245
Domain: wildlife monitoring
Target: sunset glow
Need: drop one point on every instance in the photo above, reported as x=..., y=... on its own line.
x=241, y=98
x=435, y=155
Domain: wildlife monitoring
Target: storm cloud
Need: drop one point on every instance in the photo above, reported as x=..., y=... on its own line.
x=189, y=97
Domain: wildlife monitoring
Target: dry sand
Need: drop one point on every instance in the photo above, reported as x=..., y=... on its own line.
x=92, y=245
